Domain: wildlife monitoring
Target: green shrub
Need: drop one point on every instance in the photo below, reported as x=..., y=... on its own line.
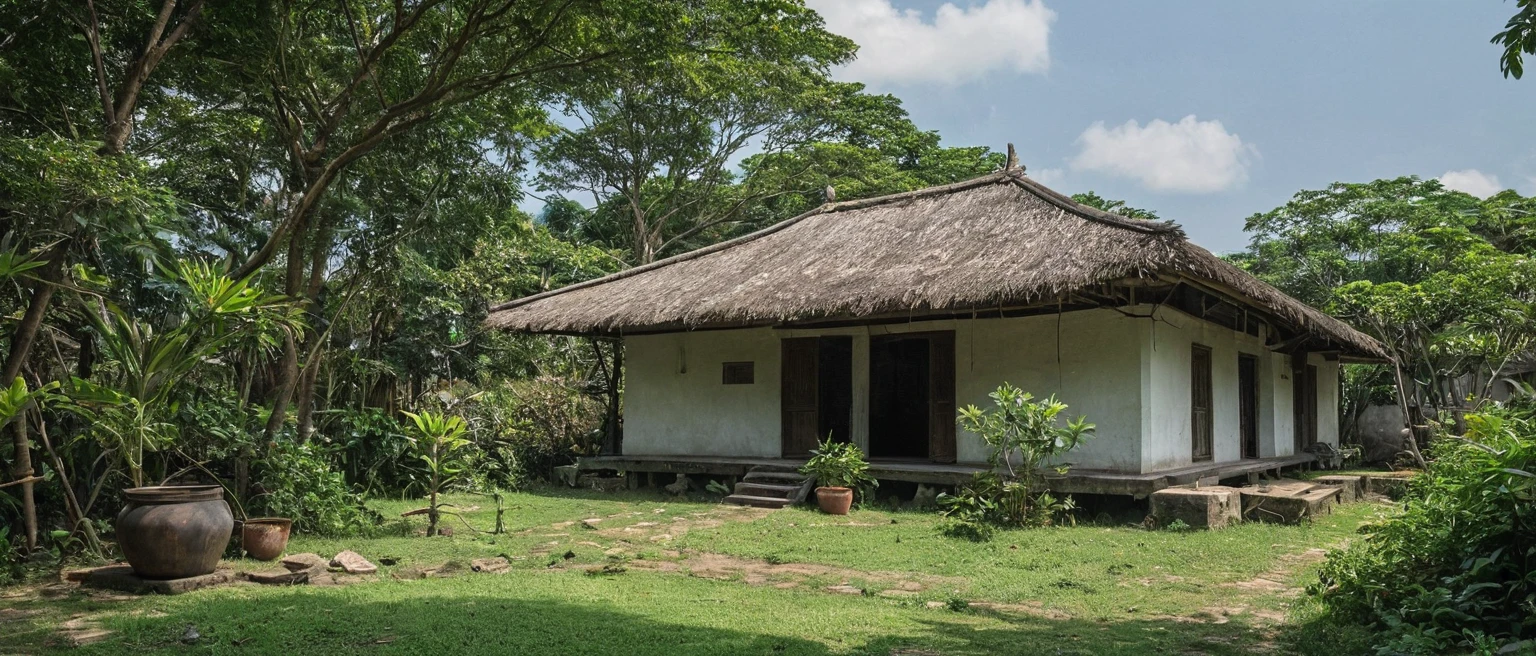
x=1455, y=569
x=840, y=464
x=532, y=426
x=300, y=482
x=1023, y=435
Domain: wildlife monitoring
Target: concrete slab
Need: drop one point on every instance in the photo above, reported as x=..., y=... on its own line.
x=1288, y=502
x=1352, y=488
x=122, y=579
x=1203, y=507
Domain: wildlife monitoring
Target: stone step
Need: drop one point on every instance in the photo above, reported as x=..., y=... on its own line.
x=752, y=488
x=1352, y=488
x=756, y=501
x=1288, y=502
x=1198, y=507
x=773, y=476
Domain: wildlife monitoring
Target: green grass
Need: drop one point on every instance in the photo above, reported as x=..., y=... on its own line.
x=1074, y=590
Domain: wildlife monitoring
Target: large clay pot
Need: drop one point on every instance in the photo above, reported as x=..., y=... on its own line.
x=834, y=500
x=265, y=538
x=174, y=532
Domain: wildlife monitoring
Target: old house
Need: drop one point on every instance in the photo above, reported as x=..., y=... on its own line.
x=873, y=320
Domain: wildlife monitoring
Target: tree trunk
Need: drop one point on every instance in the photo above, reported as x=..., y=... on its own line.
x=21, y=469
x=37, y=307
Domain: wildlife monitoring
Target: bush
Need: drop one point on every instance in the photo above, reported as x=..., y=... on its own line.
x=536, y=425
x=1455, y=570
x=1018, y=430
x=300, y=482
x=840, y=464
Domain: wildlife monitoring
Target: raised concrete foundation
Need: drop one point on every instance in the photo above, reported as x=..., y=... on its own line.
x=1288, y=502
x=1351, y=488
x=1204, y=507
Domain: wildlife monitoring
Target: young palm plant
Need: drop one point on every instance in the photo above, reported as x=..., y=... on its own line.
x=439, y=443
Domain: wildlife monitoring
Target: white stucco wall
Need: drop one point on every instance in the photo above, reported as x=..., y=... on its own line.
x=1130, y=376
x=674, y=403
x=1166, y=389
x=1327, y=398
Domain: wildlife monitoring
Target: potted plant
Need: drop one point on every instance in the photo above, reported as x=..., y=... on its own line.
x=839, y=469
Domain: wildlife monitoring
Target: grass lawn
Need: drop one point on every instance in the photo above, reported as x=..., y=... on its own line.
x=701, y=578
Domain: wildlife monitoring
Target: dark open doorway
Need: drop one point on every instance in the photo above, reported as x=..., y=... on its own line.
x=1248, y=403
x=816, y=393
x=912, y=396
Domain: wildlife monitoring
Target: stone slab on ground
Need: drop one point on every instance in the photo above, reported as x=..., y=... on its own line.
x=1287, y=501
x=278, y=577
x=1203, y=507
x=1352, y=488
x=352, y=562
x=306, y=562
x=122, y=579
x=495, y=565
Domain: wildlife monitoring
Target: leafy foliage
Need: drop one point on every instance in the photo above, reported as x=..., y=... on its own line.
x=1455, y=569
x=439, y=444
x=302, y=482
x=1024, y=435
x=1518, y=39
x=839, y=464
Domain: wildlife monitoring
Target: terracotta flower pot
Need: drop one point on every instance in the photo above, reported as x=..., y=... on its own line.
x=174, y=531
x=834, y=500
x=265, y=538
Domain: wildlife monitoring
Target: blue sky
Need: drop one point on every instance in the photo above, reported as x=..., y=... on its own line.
x=1208, y=112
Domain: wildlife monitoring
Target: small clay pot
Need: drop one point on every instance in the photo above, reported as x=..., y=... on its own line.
x=265, y=538
x=834, y=500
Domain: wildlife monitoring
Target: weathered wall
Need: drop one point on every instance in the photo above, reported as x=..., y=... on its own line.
x=674, y=403
x=1167, y=441
x=1130, y=376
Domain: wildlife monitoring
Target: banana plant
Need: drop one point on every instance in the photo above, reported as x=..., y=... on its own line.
x=438, y=443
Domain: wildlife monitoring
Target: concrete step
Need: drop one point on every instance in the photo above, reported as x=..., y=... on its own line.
x=1203, y=507
x=1352, y=488
x=752, y=488
x=776, y=477
x=756, y=501
x=1288, y=502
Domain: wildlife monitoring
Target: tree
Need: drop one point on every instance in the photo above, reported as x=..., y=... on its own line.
x=1443, y=279
x=1518, y=39
x=1114, y=206
x=656, y=145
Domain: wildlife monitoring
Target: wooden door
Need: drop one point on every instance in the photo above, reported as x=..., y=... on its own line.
x=798, y=396
x=1201, y=429
x=941, y=397
x=1304, y=401
x=1248, y=403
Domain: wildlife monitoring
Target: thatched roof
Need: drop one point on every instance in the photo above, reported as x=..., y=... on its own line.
x=998, y=241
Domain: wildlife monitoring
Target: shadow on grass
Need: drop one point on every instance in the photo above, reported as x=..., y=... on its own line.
x=702, y=621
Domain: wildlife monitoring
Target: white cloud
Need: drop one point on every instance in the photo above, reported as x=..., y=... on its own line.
x=900, y=46
x=1472, y=181
x=1052, y=178
x=1191, y=156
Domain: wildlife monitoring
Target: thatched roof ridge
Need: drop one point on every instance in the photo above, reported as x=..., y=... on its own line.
x=1000, y=240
